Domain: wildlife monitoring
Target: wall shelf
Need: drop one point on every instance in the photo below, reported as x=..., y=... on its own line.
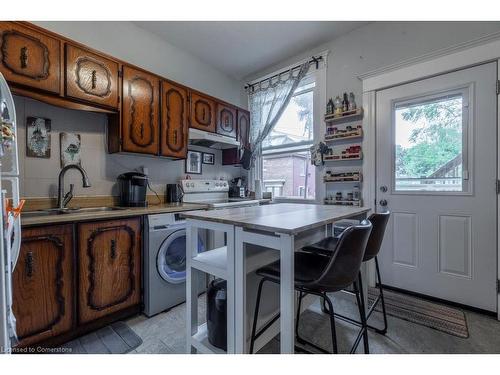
x=344, y=202
x=331, y=158
x=355, y=135
x=345, y=115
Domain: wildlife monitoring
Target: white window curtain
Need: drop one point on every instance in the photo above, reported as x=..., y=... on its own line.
x=267, y=101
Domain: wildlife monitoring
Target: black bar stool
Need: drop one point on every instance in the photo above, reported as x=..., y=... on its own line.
x=326, y=246
x=318, y=274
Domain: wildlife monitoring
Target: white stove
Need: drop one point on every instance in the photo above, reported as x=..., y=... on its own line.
x=214, y=193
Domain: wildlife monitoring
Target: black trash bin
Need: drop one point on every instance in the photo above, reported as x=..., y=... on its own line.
x=217, y=313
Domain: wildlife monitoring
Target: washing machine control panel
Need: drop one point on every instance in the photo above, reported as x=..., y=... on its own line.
x=202, y=186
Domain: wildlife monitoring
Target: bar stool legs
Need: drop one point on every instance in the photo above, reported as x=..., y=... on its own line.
x=382, y=331
x=303, y=341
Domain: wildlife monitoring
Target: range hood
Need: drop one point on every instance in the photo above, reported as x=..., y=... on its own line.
x=206, y=139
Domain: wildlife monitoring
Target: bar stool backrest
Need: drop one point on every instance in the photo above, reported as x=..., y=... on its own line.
x=379, y=222
x=345, y=262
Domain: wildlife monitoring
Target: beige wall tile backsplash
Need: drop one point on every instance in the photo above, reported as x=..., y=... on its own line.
x=39, y=177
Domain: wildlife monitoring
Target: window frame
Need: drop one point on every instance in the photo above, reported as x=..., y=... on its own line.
x=467, y=93
x=301, y=146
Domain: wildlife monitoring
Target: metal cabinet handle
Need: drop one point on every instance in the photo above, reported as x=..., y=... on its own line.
x=24, y=57
x=113, y=249
x=94, y=79
x=204, y=114
x=383, y=189
x=175, y=136
x=29, y=264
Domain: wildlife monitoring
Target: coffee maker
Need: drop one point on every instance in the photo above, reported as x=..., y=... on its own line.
x=236, y=188
x=133, y=187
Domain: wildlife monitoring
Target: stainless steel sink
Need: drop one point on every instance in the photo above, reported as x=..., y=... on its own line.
x=59, y=211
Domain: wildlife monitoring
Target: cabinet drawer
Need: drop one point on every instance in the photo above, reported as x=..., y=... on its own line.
x=202, y=113
x=140, y=111
x=43, y=284
x=110, y=267
x=91, y=77
x=30, y=58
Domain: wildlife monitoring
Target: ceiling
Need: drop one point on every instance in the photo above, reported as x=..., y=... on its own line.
x=239, y=49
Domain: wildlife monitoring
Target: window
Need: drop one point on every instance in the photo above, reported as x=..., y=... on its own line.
x=287, y=170
x=431, y=144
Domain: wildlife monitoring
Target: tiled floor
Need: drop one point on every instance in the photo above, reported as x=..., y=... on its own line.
x=165, y=333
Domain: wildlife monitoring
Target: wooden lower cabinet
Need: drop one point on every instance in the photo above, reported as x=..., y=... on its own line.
x=109, y=261
x=43, y=284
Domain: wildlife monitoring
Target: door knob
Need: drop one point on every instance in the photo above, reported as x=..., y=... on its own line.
x=383, y=202
x=383, y=189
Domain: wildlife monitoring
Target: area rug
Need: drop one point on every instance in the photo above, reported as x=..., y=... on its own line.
x=117, y=338
x=421, y=311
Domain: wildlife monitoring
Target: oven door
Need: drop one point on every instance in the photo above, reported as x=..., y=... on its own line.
x=171, y=257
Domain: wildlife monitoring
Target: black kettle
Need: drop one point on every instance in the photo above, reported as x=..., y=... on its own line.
x=174, y=193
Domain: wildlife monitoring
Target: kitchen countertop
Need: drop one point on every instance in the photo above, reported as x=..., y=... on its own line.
x=127, y=212
x=290, y=218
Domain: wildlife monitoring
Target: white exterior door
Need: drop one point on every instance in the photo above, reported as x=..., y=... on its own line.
x=436, y=172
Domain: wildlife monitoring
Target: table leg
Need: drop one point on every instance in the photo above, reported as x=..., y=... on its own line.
x=231, y=303
x=287, y=294
x=192, y=276
x=240, y=293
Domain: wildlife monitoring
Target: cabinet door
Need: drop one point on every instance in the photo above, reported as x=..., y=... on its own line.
x=110, y=266
x=202, y=113
x=140, y=111
x=43, y=284
x=226, y=120
x=91, y=77
x=174, y=123
x=244, y=127
x=30, y=58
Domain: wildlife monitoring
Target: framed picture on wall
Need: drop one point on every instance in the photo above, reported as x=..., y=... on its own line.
x=193, y=162
x=38, y=137
x=70, y=148
x=208, y=158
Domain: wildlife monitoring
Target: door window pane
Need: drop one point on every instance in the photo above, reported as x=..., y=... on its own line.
x=429, y=145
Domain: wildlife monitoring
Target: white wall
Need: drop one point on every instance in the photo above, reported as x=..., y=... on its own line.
x=380, y=44
x=130, y=43
x=39, y=177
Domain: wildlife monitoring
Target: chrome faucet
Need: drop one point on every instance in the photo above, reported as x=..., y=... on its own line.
x=63, y=199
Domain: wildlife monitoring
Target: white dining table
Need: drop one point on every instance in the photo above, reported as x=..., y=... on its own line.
x=282, y=227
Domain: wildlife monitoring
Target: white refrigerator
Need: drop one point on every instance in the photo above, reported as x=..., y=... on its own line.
x=10, y=223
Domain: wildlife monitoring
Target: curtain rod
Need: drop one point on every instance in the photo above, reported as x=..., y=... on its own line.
x=314, y=60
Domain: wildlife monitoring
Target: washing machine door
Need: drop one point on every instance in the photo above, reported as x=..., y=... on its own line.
x=171, y=258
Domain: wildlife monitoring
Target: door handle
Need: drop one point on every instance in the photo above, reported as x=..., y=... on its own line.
x=383, y=189
x=383, y=202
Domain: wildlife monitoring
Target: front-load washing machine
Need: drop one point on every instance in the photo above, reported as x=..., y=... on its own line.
x=165, y=263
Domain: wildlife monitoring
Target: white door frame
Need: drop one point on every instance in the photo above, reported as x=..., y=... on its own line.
x=464, y=55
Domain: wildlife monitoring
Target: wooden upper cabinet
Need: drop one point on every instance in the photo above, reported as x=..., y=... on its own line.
x=140, y=111
x=30, y=58
x=42, y=283
x=174, y=120
x=110, y=267
x=226, y=120
x=203, y=115
x=244, y=127
x=91, y=77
